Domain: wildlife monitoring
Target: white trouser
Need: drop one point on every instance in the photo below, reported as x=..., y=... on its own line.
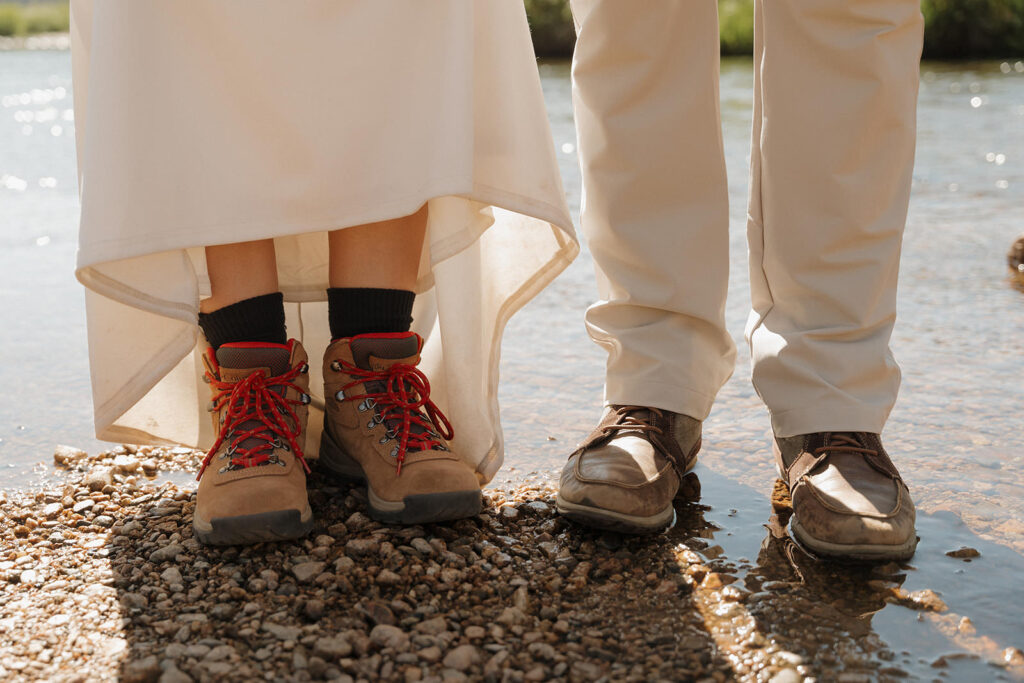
x=833, y=148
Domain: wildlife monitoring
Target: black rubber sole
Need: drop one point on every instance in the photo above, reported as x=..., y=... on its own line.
x=417, y=509
x=277, y=525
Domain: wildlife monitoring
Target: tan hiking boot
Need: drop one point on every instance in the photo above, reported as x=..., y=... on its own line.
x=625, y=475
x=381, y=426
x=849, y=500
x=252, y=485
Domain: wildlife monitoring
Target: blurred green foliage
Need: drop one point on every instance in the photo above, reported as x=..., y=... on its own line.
x=959, y=29
x=954, y=29
x=18, y=19
x=12, y=20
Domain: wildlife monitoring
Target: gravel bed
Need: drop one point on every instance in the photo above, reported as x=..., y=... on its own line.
x=101, y=579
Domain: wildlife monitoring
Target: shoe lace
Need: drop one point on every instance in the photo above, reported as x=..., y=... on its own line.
x=253, y=399
x=843, y=443
x=627, y=419
x=403, y=403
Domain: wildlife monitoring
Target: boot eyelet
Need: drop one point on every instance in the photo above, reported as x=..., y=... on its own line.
x=336, y=366
x=394, y=452
x=305, y=368
x=306, y=399
x=222, y=470
x=371, y=424
x=362, y=407
x=340, y=395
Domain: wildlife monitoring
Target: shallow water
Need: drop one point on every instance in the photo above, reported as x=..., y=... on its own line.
x=955, y=432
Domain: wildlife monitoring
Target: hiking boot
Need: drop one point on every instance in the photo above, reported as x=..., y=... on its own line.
x=625, y=475
x=849, y=500
x=380, y=426
x=252, y=484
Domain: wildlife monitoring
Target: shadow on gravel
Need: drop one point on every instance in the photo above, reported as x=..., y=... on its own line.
x=518, y=593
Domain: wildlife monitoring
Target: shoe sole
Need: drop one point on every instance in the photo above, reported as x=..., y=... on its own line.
x=863, y=552
x=262, y=527
x=421, y=508
x=609, y=520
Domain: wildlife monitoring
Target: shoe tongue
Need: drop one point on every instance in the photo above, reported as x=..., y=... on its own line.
x=383, y=347
x=248, y=356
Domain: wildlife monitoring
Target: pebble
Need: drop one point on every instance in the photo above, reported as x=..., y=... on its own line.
x=66, y=456
x=462, y=658
x=166, y=553
x=385, y=635
x=964, y=553
x=98, y=479
x=307, y=571
x=520, y=595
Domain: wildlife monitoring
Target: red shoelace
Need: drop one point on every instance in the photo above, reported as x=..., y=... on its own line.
x=407, y=392
x=253, y=400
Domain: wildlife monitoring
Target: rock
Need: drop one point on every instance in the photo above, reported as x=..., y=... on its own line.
x=433, y=626
x=421, y=546
x=142, y=671
x=283, y=632
x=307, y=571
x=431, y=654
x=964, y=553
x=512, y=616
x=542, y=651
x=1013, y=656
x=125, y=464
x=172, y=674
x=171, y=576
x=98, y=478
x=66, y=456
x=52, y=510
x=787, y=676
x=537, y=507
x=361, y=547
x=926, y=600
x=386, y=577
x=83, y=505
x=104, y=521
x=474, y=632
x=313, y=610
x=332, y=648
x=387, y=636
x=168, y=552
x=510, y=513
x=462, y=658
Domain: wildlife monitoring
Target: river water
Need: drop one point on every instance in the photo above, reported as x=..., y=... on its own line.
x=955, y=433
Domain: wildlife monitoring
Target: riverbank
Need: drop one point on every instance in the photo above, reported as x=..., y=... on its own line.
x=102, y=580
x=954, y=29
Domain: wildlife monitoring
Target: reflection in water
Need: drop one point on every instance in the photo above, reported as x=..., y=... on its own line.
x=793, y=610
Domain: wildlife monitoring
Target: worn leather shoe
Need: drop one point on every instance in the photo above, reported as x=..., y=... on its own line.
x=849, y=500
x=625, y=475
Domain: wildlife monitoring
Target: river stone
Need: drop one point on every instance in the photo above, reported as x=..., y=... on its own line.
x=462, y=658
x=283, y=632
x=168, y=552
x=141, y=671
x=68, y=455
x=171, y=576
x=432, y=627
x=307, y=571
x=385, y=635
x=99, y=478
x=332, y=648
x=172, y=674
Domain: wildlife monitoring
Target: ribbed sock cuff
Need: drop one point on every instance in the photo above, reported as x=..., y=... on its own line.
x=362, y=310
x=259, y=319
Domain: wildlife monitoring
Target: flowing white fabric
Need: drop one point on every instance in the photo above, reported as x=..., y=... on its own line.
x=234, y=120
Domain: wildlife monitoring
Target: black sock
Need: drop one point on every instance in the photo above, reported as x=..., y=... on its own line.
x=259, y=319
x=359, y=310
